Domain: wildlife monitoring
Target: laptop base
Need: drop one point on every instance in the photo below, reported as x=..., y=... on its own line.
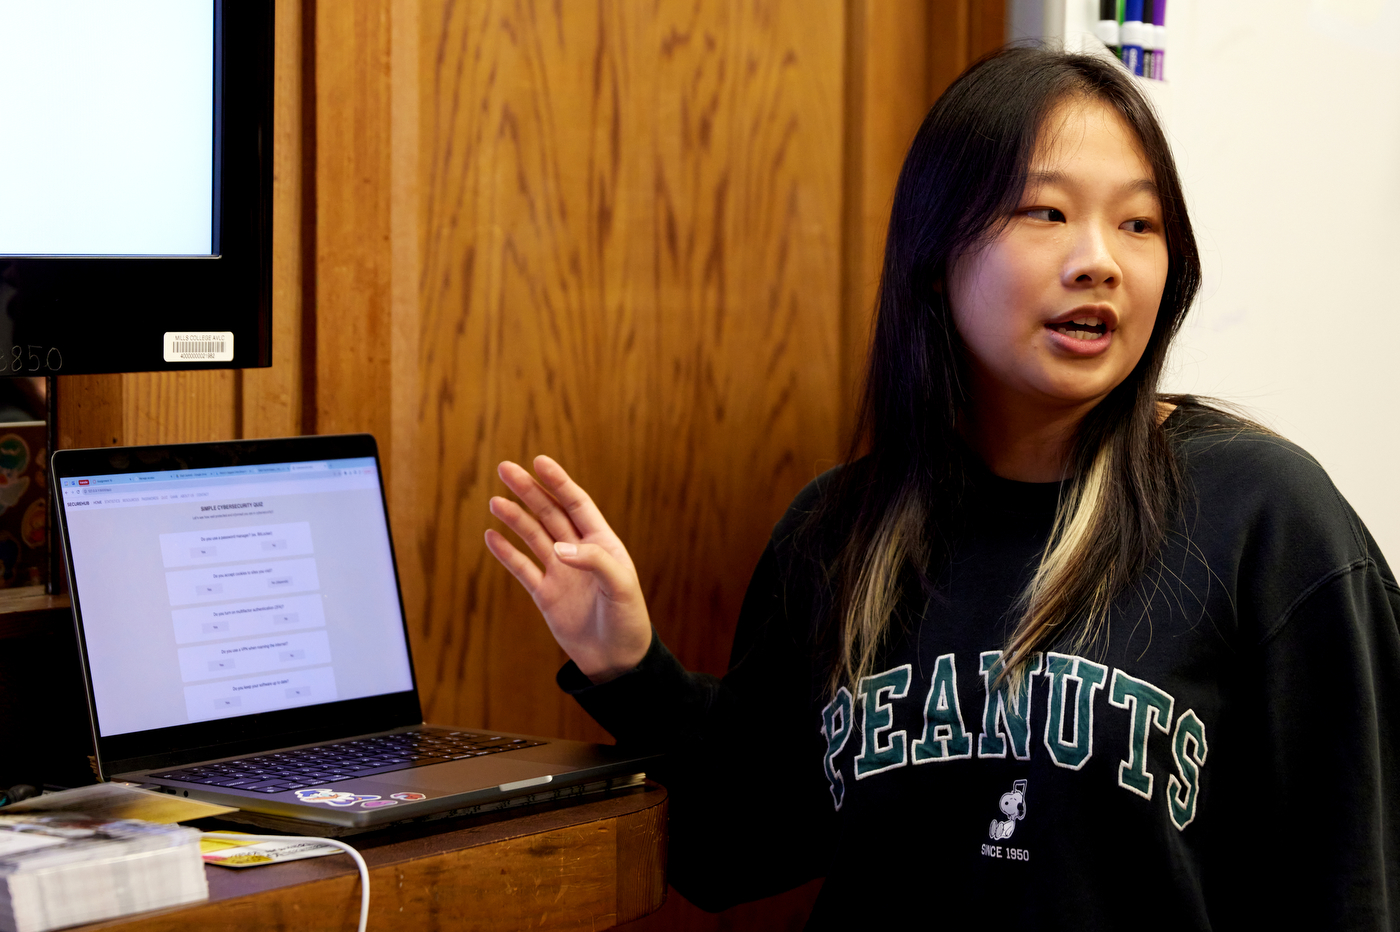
x=283, y=825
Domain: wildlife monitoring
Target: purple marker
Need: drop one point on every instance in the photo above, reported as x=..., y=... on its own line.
x=1159, y=40
x=1132, y=35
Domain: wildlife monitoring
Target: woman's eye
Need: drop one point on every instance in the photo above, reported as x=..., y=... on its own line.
x=1137, y=226
x=1048, y=214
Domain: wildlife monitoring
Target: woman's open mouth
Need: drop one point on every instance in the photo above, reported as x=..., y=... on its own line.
x=1084, y=331
x=1081, y=328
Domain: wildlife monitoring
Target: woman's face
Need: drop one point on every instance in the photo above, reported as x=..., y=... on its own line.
x=1057, y=310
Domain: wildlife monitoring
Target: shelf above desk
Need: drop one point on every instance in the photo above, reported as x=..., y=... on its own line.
x=29, y=610
x=589, y=865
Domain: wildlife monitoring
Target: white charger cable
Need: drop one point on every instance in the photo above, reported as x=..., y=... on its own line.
x=359, y=861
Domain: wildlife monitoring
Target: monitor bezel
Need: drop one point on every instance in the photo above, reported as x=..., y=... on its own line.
x=207, y=740
x=73, y=315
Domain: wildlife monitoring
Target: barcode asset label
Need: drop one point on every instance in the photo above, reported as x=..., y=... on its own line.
x=199, y=347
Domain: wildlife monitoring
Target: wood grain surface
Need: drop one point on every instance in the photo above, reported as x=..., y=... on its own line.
x=353, y=256
x=271, y=400
x=147, y=407
x=582, y=866
x=90, y=410
x=630, y=215
x=887, y=96
x=960, y=32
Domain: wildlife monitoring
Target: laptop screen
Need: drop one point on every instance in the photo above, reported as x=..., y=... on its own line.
x=222, y=592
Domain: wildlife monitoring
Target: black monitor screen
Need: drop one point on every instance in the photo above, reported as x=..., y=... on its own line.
x=135, y=185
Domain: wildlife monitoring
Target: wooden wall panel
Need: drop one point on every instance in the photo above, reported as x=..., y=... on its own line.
x=178, y=407
x=887, y=96
x=271, y=399
x=353, y=256
x=89, y=411
x=986, y=27
x=960, y=32
x=630, y=214
x=147, y=407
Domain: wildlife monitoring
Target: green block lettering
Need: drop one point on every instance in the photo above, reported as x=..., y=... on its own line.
x=944, y=736
x=875, y=693
x=1003, y=715
x=1088, y=678
x=1147, y=704
x=1189, y=750
x=836, y=727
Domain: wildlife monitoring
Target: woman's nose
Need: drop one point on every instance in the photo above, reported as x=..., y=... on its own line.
x=1091, y=262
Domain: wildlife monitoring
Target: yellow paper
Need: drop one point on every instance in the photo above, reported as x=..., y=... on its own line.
x=208, y=845
x=120, y=801
x=258, y=850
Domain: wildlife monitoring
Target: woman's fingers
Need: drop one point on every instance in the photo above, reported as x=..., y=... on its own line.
x=525, y=526
x=519, y=565
x=582, y=513
x=613, y=580
x=587, y=591
x=555, y=519
x=616, y=581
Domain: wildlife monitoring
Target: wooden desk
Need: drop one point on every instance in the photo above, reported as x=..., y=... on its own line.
x=589, y=865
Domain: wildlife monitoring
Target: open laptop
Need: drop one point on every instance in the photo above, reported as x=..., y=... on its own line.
x=244, y=642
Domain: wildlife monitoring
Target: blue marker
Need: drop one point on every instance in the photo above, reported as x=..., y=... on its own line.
x=1131, y=36
x=1107, y=26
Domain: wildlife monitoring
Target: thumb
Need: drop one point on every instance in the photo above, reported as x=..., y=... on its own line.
x=617, y=584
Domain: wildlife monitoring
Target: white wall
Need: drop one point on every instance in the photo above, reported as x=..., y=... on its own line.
x=1285, y=120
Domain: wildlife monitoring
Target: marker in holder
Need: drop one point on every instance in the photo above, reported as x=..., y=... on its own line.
x=1107, y=26
x=1131, y=36
x=1149, y=41
x=1159, y=40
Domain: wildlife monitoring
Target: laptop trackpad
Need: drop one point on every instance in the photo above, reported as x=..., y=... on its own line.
x=462, y=776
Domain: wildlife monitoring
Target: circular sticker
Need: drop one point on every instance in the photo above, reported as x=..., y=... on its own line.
x=408, y=797
x=14, y=454
x=377, y=803
x=33, y=526
x=332, y=797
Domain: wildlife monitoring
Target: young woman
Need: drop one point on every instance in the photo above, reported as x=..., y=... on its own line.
x=1057, y=650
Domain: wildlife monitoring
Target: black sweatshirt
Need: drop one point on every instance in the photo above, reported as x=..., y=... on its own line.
x=1224, y=757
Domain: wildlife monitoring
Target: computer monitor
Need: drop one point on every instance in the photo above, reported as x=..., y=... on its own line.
x=135, y=185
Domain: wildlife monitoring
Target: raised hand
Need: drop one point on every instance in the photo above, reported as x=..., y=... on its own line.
x=587, y=590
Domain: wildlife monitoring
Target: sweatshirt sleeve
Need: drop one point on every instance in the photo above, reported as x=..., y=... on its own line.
x=741, y=754
x=1307, y=766
x=1330, y=684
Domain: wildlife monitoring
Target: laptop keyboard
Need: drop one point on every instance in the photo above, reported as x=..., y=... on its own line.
x=345, y=760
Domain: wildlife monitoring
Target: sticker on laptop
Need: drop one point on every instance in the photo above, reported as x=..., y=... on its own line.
x=407, y=797
x=333, y=797
x=378, y=803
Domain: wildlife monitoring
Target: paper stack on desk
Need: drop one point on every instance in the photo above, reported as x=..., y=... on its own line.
x=112, y=801
x=61, y=869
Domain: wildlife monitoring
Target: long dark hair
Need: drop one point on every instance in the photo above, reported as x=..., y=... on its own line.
x=900, y=504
